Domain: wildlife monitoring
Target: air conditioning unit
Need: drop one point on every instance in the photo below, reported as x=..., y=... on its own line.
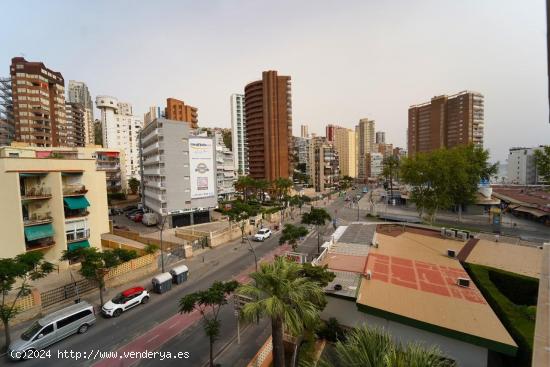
x=463, y=282
x=451, y=253
x=442, y=231
x=450, y=233
x=462, y=235
x=369, y=274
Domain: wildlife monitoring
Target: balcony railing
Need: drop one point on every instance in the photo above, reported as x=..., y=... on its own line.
x=36, y=192
x=69, y=190
x=36, y=218
x=41, y=244
x=75, y=213
x=78, y=235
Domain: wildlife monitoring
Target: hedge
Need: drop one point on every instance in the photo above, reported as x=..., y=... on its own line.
x=517, y=319
x=520, y=289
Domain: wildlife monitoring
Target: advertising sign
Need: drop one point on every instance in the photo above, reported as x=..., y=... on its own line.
x=201, y=163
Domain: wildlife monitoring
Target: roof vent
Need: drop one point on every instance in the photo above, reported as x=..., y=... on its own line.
x=451, y=253
x=369, y=274
x=463, y=282
x=338, y=287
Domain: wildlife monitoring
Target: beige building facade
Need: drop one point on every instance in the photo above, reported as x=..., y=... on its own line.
x=344, y=143
x=50, y=204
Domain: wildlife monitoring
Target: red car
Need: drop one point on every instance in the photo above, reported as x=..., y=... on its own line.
x=138, y=218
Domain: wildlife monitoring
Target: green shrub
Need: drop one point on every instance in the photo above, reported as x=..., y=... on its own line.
x=519, y=289
x=331, y=330
x=516, y=318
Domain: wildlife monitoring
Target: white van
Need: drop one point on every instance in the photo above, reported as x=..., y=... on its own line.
x=53, y=328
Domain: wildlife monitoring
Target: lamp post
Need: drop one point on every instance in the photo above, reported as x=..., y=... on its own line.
x=161, y=244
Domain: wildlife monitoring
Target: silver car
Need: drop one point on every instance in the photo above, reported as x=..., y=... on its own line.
x=53, y=328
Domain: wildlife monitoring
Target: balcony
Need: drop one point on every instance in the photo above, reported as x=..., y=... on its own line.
x=35, y=193
x=39, y=245
x=78, y=235
x=39, y=237
x=74, y=190
x=76, y=213
x=36, y=219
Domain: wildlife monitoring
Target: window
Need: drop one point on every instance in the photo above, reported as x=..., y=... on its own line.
x=45, y=331
x=69, y=320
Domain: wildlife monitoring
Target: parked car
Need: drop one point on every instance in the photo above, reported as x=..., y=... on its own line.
x=129, y=208
x=134, y=212
x=149, y=219
x=115, y=211
x=124, y=301
x=137, y=217
x=52, y=328
x=262, y=235
x=365, y=190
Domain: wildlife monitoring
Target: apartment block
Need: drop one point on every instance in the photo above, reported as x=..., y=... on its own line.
x=238, y=134
x=178, y=173
x=268, y=113
x=304, y=131
x=380, y=137
x=344, y=143
x=154, y=112
x=177, y=110
x=330, y=131
x=385, y=149
x=50, y=204
x=365, y=139
x=225, y=173
x=522, y=168
x=38, y=103
x=75, y=127
x=445, y=122
x=7, y=124
x=374, y=165
x=78, y=93
x=324, y=165
x=120, y=129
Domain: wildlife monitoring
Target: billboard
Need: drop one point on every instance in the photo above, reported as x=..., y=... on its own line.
x=201, y=164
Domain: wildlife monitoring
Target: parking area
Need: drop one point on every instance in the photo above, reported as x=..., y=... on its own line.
x=121, y=220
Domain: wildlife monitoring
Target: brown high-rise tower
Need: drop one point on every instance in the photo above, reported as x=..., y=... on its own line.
x=178, y=111
x=445, y=122
x=268, y=111
x=38, y=103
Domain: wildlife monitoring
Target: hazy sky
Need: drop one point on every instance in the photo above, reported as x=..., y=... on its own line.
x=347, y=59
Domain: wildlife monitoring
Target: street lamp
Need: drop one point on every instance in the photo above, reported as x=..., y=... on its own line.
x=161, y=244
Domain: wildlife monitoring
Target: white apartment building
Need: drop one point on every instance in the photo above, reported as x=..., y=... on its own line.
x=238, y=133
x=522, y=169
x=121, y=131
x=178, y=173
x=79, y=93
x=375, y=165
x=225, y=172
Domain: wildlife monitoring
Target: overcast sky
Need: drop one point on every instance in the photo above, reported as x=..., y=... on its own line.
x=347, y=59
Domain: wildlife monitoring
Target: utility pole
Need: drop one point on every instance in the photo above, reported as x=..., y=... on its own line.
x=161, y=244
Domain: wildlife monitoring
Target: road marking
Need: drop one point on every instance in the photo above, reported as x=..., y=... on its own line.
x=153, y=338
x=173, y=325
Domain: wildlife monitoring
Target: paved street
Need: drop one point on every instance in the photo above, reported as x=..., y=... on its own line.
x=112, y=334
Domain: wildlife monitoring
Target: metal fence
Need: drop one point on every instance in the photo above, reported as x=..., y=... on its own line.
x=63, y=293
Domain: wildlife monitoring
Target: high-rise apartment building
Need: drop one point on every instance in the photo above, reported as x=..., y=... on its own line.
x=79, y=93
x=178, y=172
x=445, y=122
x=154, y=113
x=177, y=110
x=329, y=132
x=374, y=165
x=380, y=137
x=268, y=113
x=304, y=131
x=120, y=131
x=365, y=138
x=76, y=125
x=38, y=103
x=324, y=165
x=7, y=124
x=344, y=143
x=238, y=134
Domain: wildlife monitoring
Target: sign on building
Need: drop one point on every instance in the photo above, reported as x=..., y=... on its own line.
x=201, y=159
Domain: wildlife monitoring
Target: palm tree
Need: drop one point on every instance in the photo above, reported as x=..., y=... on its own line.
x=374, y=347
x=282, y=293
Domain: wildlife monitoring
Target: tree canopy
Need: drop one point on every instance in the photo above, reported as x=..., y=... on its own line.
x=542, y=162
x=292, y=234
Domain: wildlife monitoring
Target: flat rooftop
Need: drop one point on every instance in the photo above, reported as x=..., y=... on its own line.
x=414, y=282
x=345, y=284
x=524, y=260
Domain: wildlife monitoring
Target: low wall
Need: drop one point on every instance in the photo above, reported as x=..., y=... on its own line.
x=115, y=244
x=131, y=270
x=264, y=357
x=167, y=245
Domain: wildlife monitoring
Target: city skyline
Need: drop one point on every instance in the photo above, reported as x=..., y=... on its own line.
x=404, y=66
